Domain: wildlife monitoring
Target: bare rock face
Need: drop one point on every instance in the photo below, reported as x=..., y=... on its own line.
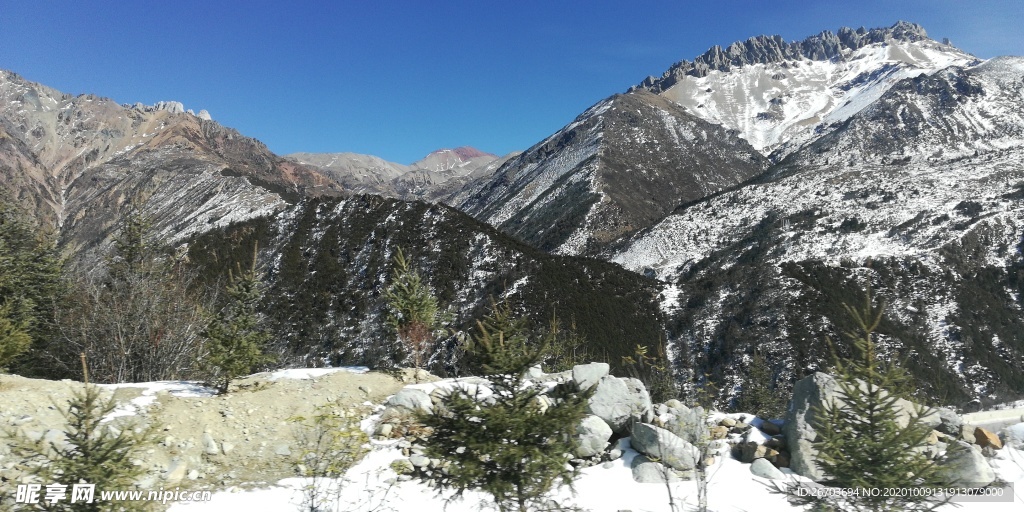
x=769, y=49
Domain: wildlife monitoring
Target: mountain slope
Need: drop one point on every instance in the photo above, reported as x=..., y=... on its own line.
x=919, y=194
x=79, y=161
x=329, y=262
x=618, y=168
x=780, y=95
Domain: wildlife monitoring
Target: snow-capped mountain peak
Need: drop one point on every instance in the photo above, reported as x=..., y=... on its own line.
x=779, y=95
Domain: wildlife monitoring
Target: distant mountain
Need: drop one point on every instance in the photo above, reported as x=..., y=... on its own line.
x=618, y=168
x=79, y=162
x=434, y=176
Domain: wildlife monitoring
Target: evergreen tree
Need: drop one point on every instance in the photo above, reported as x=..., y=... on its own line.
x=758, y=395
x=860, y=442
x=30, y=285
x=236, y=338
x=413, y=311
x=508, y=444
x=14, y=338
x=94, y=452
x=568, y=347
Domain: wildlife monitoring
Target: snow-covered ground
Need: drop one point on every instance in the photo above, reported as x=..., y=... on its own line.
x=372, y=485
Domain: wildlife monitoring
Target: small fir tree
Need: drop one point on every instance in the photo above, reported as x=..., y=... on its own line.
x=30, y=285
x=94, y=452
x=758, y=395
x=235, y=337
x=860, y=442
x=509, y=444
x=413, y=311
x=568, y=347
x=14, y=337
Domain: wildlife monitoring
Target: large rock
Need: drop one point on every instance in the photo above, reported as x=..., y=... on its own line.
x=620, y=402
x=691, y=424
x=664, y=446
x=592, y=436
x=411, y=399
x=985, y=438
x=587, y=375
x=765, y=469
x=950, y=422
x=646, y=471
x=963, y=466
x=812, y=392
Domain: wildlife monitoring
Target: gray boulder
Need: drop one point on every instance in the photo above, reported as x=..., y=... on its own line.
x=660, y=444
x=411, y=399
x=587, y=375
x=965, y=467
x=209, y=445
x=812, y=392
x=950, y=422
x=765, y=469
x=646, y=471
x=619, y=402
x=690, y=423
x=592, y=436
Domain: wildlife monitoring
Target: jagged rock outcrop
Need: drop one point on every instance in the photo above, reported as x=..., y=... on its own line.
x=781, y=95
x=771, y=49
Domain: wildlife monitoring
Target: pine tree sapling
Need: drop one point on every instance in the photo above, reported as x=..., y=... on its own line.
x=413, y=311
x=758, y=395
x=14, y=337
x=93, y=452
x=505, y=444
x=235, y=337
x=29, y=285
x=862, y=441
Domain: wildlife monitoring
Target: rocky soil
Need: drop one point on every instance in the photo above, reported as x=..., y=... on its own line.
x=205, y=441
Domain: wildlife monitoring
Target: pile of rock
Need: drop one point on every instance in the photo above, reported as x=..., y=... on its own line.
x=672, y=440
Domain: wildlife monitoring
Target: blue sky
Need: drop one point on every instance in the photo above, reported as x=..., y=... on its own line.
x=400, y=78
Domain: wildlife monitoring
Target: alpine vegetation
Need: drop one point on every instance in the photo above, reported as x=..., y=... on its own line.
x=509, y=441
x=236, y=340
x=866, y=439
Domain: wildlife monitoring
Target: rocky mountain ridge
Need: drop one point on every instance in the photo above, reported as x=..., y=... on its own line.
x=765, y=49
x=79, y=162
x=430, y=178
x=616, y=169
x=780, y=95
